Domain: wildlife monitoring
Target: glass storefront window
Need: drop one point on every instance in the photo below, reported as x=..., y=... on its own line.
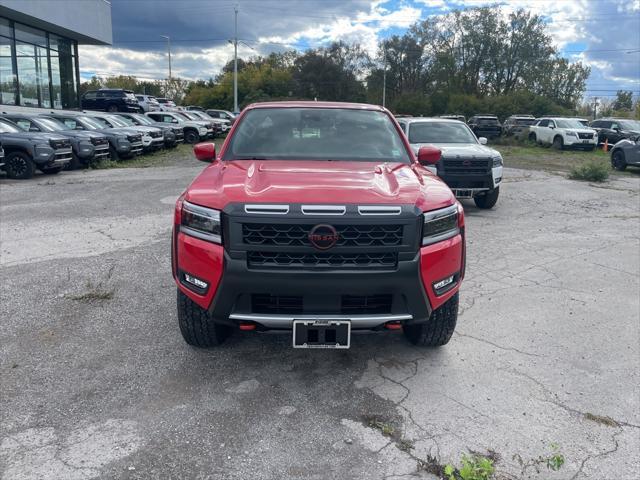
x=46, y=67
x=8, y=88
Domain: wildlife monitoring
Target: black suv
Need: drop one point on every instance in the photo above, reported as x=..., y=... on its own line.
x=485, y=125
x=111, y=100
x=612, y=130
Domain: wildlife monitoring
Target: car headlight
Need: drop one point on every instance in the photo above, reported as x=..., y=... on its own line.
x=203, y=131
x=497, y=161
x=440, y=225
x=571, y=134
x=201, y=222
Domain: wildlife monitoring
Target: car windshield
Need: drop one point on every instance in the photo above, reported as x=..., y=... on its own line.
x=440, y=132
x=184, y=116
x=189, y=116
x=128, y=121
x=8, y=128
x=92, y=123
x=317, y=134
x=630, y=124
x=51, y=125
x=525, y=121
x=143, y=120
x=569, y=123
x=117, y=121
x=487, y=121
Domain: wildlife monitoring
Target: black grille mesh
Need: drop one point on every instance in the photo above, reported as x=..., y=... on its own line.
x=297, y=235
x=467, y=166
x=321, y=260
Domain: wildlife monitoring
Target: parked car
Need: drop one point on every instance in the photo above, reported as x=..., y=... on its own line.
x=166, y=104
x=148, y=103
x=221, y=114
x=223, y=126
x=322, y=234
x=563, y=133
x=467, y=166
x=612, y=130
x=626, y=152
x=152, y=137
x=123, y=142
x=172, y=135
x=87, y=147
x=518, y=125
x=27, y=151
x=487, y=126
x=110, y=100
x=195, y=108
x=460, y=118
x=194, y=132
x=213, y=128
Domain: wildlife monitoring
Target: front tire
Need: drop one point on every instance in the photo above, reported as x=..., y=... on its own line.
x=112, y=108
x=618, y=161
x=487, y=200
x=191, y=137
x=437, y=331
x=19, y=165
x=558, y=143
x=197, y=326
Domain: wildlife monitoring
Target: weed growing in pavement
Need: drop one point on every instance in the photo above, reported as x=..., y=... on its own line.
x=554, y=461
x=93, y=293
x=474, y=467
x=609, y=422
x=590, y=171
x=385, y=428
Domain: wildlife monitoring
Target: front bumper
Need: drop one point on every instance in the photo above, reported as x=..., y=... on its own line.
x=570, y=141
x=233, y=286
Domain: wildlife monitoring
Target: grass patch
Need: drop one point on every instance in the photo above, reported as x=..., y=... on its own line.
x=474, y=467
x=386, y=428
x=93, y=293
x=590, y=171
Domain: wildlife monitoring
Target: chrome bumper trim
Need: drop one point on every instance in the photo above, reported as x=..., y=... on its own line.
x=286, y=321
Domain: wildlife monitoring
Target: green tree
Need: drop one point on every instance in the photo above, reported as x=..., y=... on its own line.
x=623, y=101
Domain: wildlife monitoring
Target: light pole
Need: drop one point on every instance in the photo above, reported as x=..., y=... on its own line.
x=169, y=52
x=384, y=77
x=235, y=61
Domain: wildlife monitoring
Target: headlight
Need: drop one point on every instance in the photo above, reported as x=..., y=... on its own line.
x=203, y=131
x=201, y=222
x=497, y=161
x=440, y=225
x=571, y=134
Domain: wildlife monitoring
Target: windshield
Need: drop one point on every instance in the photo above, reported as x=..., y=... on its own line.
x=184, y=116
x=128, y=121
x=569, y=123
x=488, y=121
x=317, y=134
x=440, y=132
x=53, y=125
x=189, y=116
x=143, y=120
x=92, y=123
x=8, y=128
x=117, y=121
x=525, y=121
x=630, y=124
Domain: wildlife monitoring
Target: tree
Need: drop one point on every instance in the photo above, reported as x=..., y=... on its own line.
x=623, y=101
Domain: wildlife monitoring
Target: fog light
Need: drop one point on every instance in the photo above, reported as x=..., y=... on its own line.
x=195, y=281
x=446, y=284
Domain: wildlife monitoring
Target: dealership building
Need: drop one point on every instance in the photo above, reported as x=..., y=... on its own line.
x=39, y=49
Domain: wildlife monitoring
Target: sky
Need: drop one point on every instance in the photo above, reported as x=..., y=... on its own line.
x=604, y=34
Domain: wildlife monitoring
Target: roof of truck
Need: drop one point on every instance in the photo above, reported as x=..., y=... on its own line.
x=312, y=104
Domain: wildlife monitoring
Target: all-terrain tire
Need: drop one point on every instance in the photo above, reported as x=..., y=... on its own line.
x=558, y=143
x=113, y=154
x=197, y=326
x=19, y=165
x=75, y=163
x=438, y=329
x=618, y=161
x=487, y=200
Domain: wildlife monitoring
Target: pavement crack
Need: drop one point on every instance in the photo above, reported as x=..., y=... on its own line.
x=509, y=349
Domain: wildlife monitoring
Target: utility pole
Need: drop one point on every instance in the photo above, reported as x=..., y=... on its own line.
x=384, y=77
x=169, y=52
x=235, y=61
x=595, y=108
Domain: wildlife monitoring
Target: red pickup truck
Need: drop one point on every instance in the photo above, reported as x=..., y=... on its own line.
x=317, y=219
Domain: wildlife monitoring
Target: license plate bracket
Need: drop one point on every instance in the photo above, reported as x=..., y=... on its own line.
x=320, y=333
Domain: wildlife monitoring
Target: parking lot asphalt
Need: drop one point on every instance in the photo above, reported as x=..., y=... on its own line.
x=96, y=381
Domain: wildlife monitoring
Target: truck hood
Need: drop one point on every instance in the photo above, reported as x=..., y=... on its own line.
x=454, y=150
x=37, y=137
x=318, y=182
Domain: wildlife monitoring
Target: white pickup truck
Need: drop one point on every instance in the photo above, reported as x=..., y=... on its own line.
x=563, y=133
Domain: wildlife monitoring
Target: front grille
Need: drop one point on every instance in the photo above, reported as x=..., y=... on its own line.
x=298, y=235
x=155, y=134
x=348, y=304
x=467, y=166
x=276, y=304
x=586, y=136
x=63, y=143
x=134, y=138
x=322, y=260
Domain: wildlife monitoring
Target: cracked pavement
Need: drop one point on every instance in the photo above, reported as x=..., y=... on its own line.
x=546, y=350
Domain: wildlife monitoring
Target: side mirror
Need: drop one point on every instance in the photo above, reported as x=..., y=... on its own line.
x=552, y=126
x=429, y=155
x=483, y=140
x=205, y=152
